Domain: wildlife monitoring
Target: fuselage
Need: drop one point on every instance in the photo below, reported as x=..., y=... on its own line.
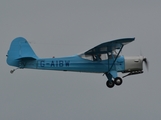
x=73, y=63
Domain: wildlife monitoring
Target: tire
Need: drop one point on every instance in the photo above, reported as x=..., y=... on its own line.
x=110, y=84
x=118, y=81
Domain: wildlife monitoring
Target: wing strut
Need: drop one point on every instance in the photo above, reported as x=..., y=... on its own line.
x=115, y=59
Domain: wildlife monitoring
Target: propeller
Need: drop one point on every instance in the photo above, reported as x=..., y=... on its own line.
x=145, y=60
x=146, y=63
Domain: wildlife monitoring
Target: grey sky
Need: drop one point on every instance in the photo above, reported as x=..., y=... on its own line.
x=67, y=27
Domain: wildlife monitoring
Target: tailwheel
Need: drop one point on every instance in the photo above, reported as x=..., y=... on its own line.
x=118, y=81
x=110, y=84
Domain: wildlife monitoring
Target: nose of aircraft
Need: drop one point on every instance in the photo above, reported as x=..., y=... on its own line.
x=135, y=63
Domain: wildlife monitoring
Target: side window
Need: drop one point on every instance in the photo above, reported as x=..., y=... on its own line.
x=87, y=57
x=94, y=57
x=112, y=54
x=104, y=57
x=100, y=57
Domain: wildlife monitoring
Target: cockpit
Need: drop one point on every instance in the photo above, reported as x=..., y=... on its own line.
x=99, y=57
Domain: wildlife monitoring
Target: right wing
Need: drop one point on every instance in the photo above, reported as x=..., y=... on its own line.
x=109, y=46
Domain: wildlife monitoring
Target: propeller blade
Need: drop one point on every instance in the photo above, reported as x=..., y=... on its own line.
x=146, y=63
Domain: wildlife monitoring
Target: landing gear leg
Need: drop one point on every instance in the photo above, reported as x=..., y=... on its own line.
x=110, y=83
x=12, y=71
x=21, y=65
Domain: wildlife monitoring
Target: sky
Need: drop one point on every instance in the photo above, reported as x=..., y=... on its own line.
x=68, y=27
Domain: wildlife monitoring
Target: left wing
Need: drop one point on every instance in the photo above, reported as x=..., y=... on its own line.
x=109, y=46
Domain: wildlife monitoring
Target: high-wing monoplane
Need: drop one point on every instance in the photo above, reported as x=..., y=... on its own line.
x=104, y=58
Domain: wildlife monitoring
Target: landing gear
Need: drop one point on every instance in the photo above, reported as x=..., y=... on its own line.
x=117, y=81
x=110, y=84
x=12, y=71
x=113, y=79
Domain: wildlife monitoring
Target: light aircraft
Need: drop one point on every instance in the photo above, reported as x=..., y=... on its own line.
x=104, y=58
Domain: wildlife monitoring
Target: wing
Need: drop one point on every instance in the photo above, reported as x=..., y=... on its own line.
x=109, y=46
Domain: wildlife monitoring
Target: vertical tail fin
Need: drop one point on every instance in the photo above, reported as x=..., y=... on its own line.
x=20, y=49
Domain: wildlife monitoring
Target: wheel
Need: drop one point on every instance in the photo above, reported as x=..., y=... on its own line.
x=110, y=84
x=118, y=81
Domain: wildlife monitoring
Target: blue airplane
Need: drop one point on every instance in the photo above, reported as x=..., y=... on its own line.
x=104, y=58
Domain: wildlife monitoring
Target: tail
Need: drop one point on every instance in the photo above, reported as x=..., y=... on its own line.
x=20, y=49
